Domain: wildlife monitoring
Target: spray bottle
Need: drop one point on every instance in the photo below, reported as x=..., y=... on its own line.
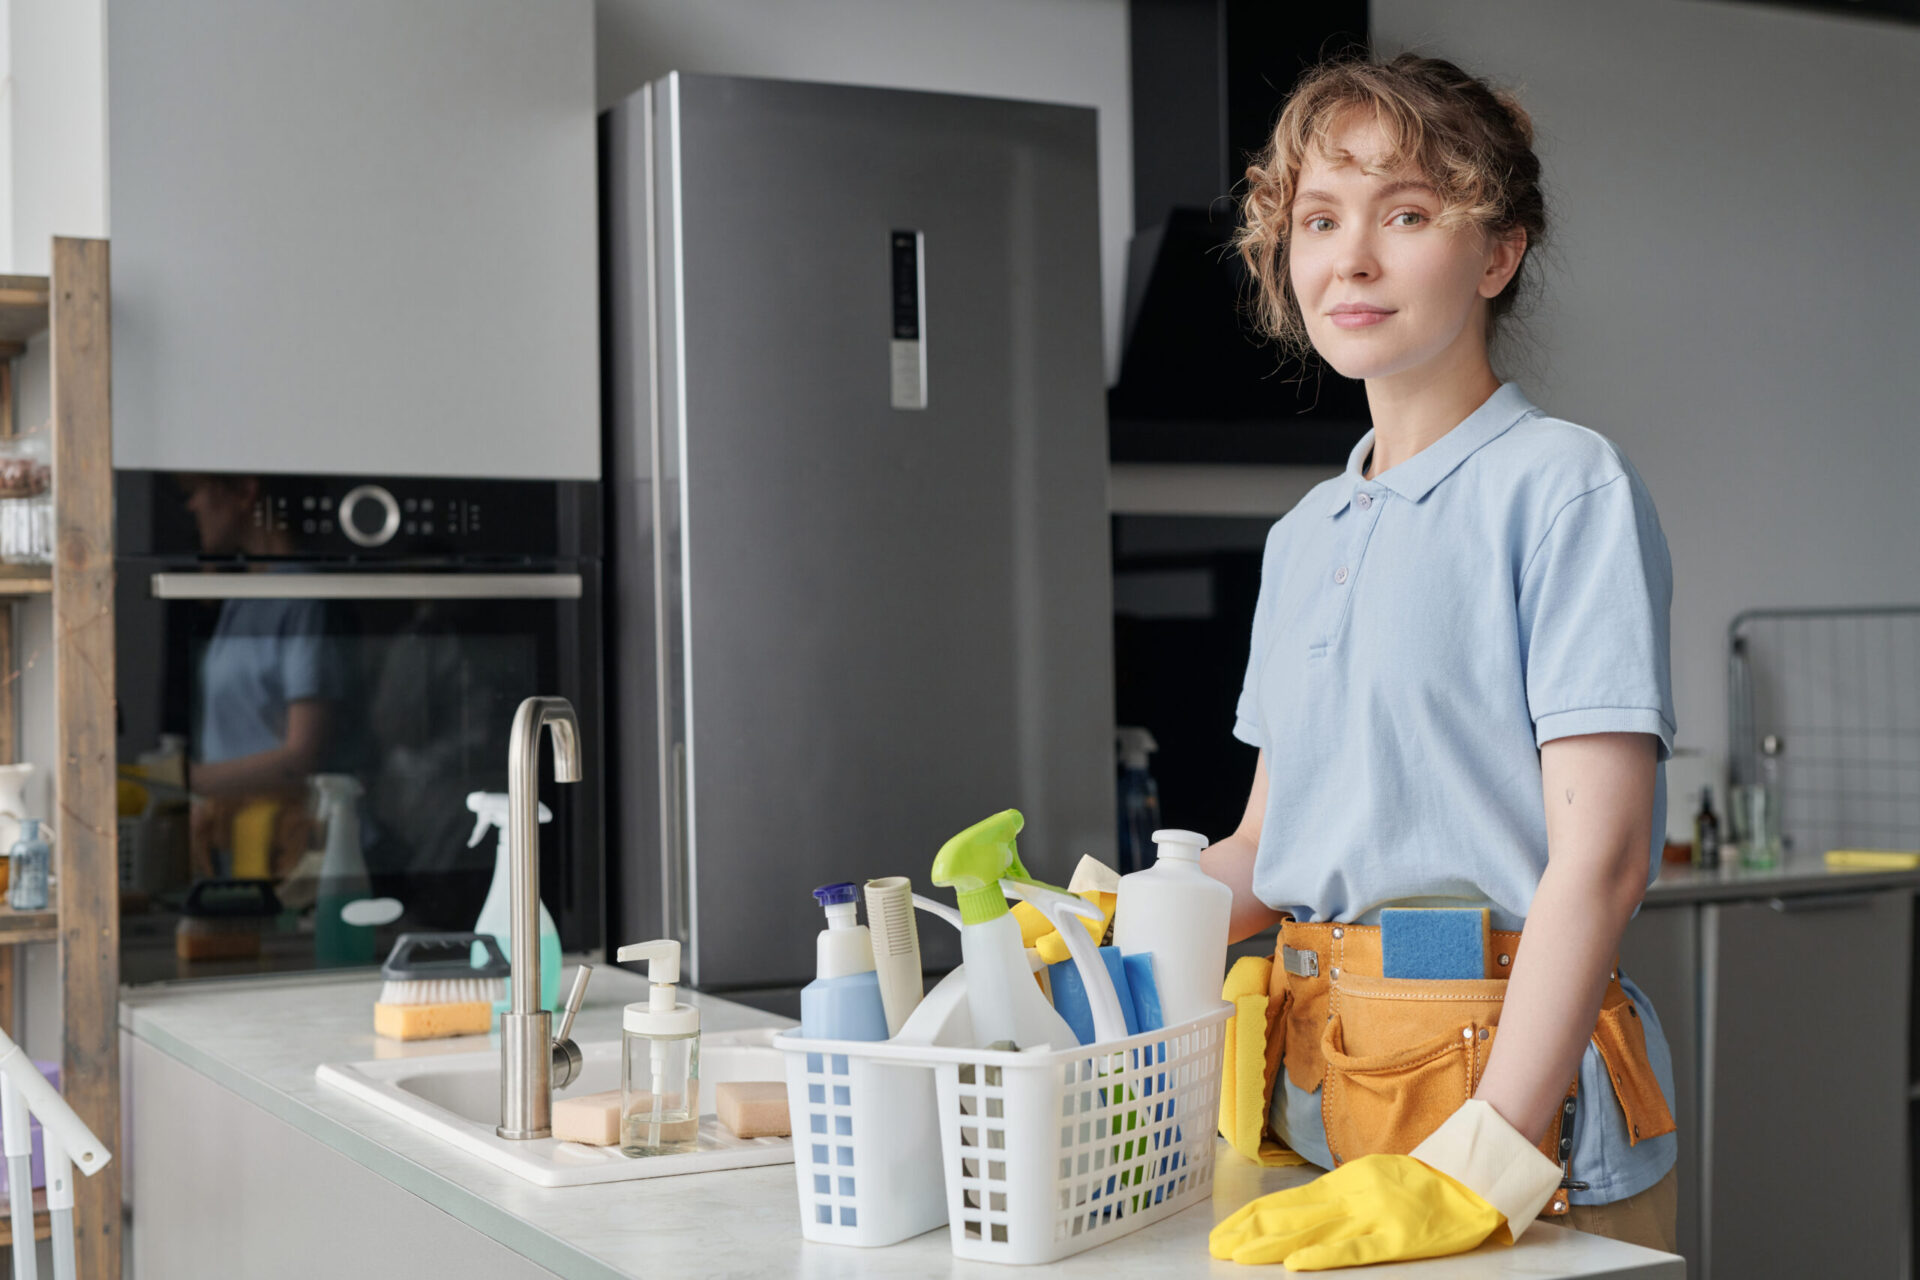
x=1002, y=998
x=343, y=875
x=496, y=913
x=1139, y=797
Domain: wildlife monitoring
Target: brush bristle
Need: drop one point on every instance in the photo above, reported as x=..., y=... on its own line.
x=441, y=991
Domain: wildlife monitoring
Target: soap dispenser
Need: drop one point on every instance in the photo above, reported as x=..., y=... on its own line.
x=660, y=1060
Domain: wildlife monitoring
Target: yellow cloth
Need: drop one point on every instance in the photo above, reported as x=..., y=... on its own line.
x=1873, y=859
x=1379, y=1208
x=1245, y=1086
x=1037, y=928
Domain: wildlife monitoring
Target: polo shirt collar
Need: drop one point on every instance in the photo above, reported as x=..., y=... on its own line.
x=1415, y=478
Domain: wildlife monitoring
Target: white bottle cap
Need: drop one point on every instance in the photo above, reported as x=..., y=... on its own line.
x=662, y=1014
x=1174, y=843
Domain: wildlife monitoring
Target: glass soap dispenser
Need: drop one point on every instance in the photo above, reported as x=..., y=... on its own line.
x=660, y=1060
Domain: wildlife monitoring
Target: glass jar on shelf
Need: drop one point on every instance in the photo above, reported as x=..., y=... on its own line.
x=26, y=500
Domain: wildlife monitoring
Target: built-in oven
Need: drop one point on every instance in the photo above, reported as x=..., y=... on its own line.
x=314, y=674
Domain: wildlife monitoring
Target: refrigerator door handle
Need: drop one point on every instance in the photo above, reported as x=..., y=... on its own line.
x=365, y=586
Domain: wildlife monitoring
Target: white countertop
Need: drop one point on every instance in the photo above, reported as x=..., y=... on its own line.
x=263, y=1040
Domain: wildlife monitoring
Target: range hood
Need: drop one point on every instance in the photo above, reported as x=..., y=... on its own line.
x=1196, y=383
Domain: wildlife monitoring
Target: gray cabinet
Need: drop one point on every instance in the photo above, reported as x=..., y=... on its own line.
x=1804, y=1059
x=1789, y=1021
x=355, y=237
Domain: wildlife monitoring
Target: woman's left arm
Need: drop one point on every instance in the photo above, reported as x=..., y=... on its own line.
x=1599, y=791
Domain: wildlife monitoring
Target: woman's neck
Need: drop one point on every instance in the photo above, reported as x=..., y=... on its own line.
x=1412, y=410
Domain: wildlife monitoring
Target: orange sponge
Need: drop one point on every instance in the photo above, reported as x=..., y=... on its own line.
x=432, y=1021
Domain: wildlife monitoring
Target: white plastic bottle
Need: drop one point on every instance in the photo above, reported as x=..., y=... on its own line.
x=1180, y=914
x=843, y=1000
x=496, y=913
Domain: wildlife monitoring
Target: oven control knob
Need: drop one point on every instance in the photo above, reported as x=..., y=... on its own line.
x=369, y=516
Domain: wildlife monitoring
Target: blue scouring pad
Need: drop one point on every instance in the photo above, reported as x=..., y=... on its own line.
x=1435, y=942
x=1146, y=992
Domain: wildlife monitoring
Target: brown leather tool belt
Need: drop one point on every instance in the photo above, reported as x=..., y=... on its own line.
x=1394, y=1057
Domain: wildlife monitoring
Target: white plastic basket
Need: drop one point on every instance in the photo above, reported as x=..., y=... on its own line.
x=1042, y=1154
x=864, y=1137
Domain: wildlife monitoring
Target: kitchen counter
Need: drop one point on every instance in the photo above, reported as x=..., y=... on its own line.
x=262, y=1041
x=1794, y=877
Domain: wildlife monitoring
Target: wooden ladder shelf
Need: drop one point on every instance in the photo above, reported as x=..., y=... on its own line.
x=71, y=309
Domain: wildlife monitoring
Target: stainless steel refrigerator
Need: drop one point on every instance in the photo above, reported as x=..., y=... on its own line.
x=857, y=490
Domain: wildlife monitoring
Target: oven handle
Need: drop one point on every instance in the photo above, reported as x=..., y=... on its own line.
x=366, y=586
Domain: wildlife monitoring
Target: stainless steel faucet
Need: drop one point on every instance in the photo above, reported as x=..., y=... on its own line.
x=533, y=1062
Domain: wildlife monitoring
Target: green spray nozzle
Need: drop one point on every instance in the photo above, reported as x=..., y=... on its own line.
x=974, y=863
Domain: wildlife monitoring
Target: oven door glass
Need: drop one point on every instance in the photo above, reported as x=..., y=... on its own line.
x=295, y=741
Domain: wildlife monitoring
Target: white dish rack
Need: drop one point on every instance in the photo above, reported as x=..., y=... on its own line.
x=1041, y=1154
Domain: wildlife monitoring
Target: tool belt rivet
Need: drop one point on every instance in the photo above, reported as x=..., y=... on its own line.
x=1339, y=933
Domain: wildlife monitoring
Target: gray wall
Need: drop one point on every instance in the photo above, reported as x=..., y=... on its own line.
x=1055, y=51
x=1733, y=192
x=354, y=237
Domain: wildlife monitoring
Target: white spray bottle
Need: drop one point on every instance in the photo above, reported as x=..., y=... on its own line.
x=338, y=941
x=496, y=913
x=1002, y=998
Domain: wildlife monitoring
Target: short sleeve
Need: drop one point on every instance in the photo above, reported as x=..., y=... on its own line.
x=1594, y=604
x=304, y=654
x=1249, y=724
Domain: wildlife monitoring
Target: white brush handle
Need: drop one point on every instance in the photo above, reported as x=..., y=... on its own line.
x=1109, y=1023
x=60, y=1205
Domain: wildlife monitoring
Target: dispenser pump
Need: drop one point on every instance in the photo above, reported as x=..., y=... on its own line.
x=974, y=862
x=663, y=1014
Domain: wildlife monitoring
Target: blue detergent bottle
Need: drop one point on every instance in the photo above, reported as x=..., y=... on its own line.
x=843, y=1000
x=1139, y=798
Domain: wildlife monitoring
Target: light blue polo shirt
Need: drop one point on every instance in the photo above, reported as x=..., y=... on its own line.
x=1417, y=637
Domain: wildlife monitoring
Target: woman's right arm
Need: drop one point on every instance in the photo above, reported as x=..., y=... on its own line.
x=1230, y=861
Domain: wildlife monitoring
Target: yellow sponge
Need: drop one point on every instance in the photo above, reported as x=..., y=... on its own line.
x=432, y=1021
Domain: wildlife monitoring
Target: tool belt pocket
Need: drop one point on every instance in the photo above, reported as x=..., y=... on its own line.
x=1621, y=1038
x=1402, y=1054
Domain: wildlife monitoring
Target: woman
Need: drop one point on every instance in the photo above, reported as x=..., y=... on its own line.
x=1459, y=687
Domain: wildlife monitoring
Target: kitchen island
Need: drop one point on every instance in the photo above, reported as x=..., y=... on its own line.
x=225, y=1113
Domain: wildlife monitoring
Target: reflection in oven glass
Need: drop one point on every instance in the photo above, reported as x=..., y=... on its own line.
x=301, y=755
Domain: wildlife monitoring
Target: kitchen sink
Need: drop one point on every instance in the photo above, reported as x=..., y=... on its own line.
x=455, y=1096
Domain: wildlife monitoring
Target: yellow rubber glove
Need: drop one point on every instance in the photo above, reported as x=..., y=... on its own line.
x=1472, y=1177
x=1374, y=1209
x=1246, y=1088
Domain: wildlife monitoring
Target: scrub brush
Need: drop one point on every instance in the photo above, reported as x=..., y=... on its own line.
x=433, y=987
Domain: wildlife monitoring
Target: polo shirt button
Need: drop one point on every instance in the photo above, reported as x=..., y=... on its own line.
x=1365, y=500
x=1340, y=574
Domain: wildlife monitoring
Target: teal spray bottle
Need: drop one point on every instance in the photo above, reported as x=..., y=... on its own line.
x=343, y=875
x=496, y=913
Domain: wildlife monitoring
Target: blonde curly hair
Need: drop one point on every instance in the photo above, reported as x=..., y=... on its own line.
x=1472, y=142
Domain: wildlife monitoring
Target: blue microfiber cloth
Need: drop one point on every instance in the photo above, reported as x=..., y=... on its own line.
x=1435, y=942
x=1146, y=993
x=1070, y=994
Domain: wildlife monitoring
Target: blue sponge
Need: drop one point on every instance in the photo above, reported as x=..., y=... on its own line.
x=1146, y=993
x=1434, y=942
x=1070, y=994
